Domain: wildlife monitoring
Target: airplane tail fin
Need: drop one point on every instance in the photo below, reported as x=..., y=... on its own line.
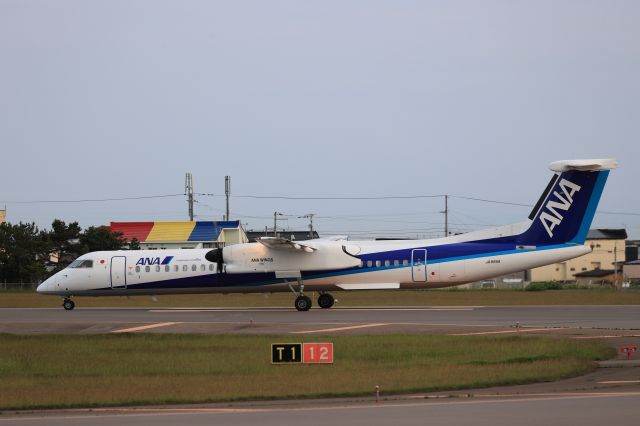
x=564, y=212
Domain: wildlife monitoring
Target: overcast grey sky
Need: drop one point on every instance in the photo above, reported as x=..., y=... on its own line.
x=104, y=99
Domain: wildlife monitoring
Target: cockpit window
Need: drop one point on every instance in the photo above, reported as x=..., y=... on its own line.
x=81, y=263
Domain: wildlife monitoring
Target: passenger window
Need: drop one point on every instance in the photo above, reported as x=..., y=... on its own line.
x=194, y=267
x=377, y=263
x=157, y=268
x=184, y=268
x=147, y=268
x=387, y=263
x=137, y=269
x=369, y=264
x=405, y=262
x=167, y=268
x=396, y=262
x=211, y=266
x=176, y=268
x=203, y=268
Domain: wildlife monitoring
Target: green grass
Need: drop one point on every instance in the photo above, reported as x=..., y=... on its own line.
x=102, y=370
x=356, y=298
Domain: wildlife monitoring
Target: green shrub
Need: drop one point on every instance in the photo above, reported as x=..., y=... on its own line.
x=545, y=285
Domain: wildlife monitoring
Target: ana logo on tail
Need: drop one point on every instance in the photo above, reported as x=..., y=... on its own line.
x=552, y=218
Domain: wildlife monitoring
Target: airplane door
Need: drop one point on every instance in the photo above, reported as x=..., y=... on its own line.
x=419, y=265
x=118, y=271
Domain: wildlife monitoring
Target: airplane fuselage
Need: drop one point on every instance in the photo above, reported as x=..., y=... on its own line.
x=379, y=265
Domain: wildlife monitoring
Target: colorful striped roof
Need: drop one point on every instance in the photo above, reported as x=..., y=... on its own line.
x=161, y=232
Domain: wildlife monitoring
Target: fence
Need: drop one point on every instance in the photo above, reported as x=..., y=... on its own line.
x=18, y=286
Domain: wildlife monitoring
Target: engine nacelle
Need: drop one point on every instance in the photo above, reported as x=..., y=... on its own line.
x=256, y=257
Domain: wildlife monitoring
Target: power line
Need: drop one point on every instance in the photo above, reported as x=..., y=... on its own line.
x=462, y=197
x=91, y=200
x=618, y=213
x=399, y=197
x=282, y=197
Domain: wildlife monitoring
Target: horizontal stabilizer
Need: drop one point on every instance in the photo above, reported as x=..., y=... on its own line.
x=584, y=165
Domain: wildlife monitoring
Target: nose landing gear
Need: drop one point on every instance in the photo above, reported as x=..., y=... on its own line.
x=68, y=304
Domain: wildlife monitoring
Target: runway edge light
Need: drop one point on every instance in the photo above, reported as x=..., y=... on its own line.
x=629, y=350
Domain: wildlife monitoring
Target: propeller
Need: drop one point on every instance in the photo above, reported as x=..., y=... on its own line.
x=215, y=256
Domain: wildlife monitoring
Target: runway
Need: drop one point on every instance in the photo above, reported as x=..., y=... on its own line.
x=461, y=320
x=608, y=395
x=586, y=409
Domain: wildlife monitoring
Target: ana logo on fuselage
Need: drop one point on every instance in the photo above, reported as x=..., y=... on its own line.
x=154, y=261
x=552, y=218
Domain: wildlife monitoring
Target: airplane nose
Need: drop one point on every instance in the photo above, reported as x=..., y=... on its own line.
x=46, y=285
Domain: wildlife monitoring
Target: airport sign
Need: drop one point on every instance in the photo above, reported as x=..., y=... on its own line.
x=302, y=353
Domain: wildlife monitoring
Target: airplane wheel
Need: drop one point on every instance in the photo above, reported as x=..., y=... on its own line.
x=325, y=301
x=68, y=304
x=303, y=303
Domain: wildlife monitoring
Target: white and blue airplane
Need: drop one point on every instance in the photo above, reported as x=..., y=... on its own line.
x=555, y=231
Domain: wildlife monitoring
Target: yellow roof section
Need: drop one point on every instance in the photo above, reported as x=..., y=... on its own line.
x=170, y=231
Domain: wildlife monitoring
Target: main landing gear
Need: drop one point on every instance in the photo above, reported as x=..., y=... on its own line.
x=325, y=300
x=303, y=303
x=68, y=304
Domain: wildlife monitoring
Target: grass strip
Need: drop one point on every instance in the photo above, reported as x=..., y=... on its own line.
x=134, y=369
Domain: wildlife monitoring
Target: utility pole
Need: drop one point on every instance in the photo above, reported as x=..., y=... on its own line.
x=446, y=215
x=275, y=222
x=227, y=192
x=310, y=217
x=188, y=189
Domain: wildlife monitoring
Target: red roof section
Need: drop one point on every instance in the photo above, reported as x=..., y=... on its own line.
x=131, y=230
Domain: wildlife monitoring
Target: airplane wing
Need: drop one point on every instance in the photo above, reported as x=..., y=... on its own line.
x=333, y=238
x=283, y=243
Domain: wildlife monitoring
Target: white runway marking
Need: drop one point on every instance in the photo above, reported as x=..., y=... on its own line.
x=619, y=382
x=520, y=330
x=604, y=337
x=353, y=327
x=144, y=327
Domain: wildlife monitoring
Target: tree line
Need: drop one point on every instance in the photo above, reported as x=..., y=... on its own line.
x=30, y=254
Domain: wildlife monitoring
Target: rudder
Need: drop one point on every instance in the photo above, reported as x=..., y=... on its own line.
x=564, y=212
